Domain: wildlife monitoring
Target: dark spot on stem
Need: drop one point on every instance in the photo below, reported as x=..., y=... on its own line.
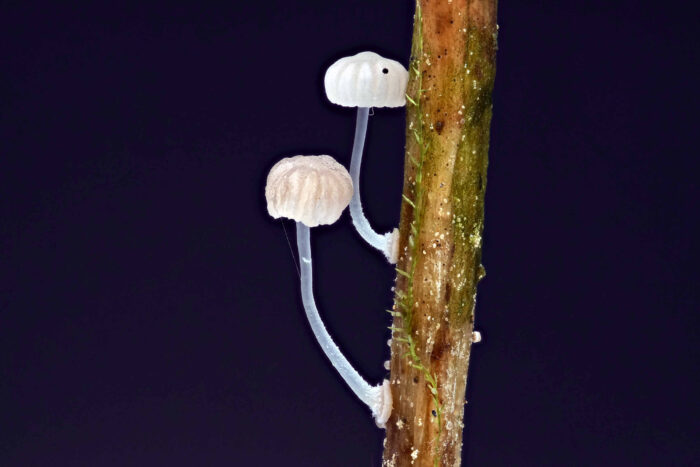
x=438, y=126
x=440, y=347
x=448, y=292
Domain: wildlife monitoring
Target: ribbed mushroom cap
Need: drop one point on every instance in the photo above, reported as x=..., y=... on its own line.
x=366, y=80
x=313, y=190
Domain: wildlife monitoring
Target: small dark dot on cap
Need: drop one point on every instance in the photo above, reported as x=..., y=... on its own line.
x=385, y=71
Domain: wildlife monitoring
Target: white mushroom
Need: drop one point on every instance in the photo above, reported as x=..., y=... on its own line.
x=314, y=190
x=310, y=189
x=367, y=80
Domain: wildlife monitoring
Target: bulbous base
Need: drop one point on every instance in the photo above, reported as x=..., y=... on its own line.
x=391, y=250
x=382, y=403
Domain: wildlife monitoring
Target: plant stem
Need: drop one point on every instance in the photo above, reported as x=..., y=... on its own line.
x=452, y=72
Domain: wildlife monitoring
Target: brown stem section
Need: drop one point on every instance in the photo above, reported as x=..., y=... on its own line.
x=452, y=72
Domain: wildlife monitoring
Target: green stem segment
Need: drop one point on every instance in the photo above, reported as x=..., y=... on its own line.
x=452, y=72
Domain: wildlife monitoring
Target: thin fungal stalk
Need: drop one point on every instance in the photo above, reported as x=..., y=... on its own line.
x=452, y=72
x=376, y=397
x=379, y=241
x=358, y=216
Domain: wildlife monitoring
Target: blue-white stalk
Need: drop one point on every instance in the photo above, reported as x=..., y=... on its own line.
x=378, y=398
x=378, y=241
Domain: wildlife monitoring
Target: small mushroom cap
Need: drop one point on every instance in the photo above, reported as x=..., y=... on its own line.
x=313, y=190
x=366, y=80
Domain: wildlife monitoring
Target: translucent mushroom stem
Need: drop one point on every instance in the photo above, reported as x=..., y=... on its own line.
x=381, y=242
x=378, y=398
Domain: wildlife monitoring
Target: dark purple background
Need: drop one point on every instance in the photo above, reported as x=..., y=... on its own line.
x=149, y=306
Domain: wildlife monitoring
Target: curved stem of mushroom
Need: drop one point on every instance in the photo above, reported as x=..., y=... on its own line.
x=375, y=397
x=378, y=241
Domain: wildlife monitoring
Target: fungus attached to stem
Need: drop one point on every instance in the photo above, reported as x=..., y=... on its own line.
x=387, y=243
x=314, y=190
x=367, y=80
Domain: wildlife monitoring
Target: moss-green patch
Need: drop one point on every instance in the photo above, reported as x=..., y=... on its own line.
x=469, y=176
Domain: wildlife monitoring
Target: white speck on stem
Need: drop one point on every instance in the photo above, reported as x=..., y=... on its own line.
x=476, y=337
